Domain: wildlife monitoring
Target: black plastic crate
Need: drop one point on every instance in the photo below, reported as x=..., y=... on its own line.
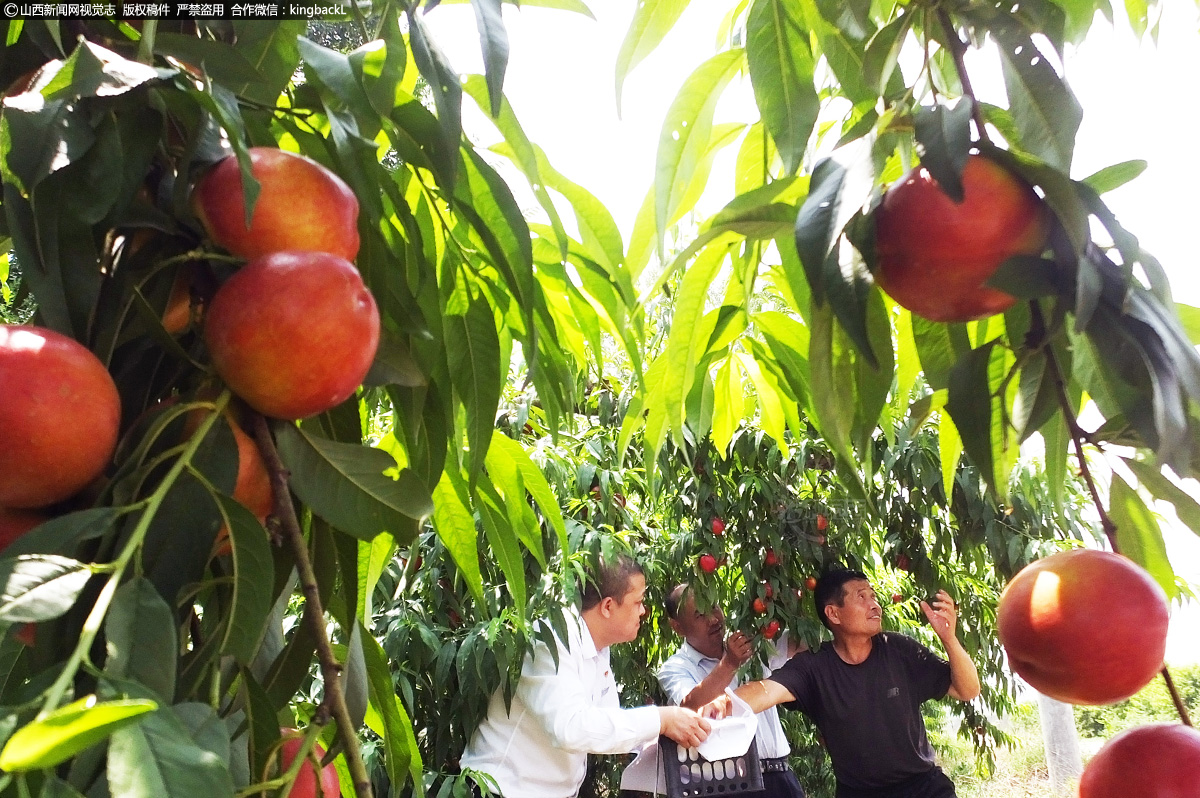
x=690, y=775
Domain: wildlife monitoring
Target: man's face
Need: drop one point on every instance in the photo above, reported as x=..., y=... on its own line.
x=703, y=632
x=626, y=615
x=860, y=613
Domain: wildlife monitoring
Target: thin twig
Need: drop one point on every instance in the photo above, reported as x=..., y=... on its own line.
x=334, y=701
x=958, y=49
x=1179, y=707
x=1078, y=435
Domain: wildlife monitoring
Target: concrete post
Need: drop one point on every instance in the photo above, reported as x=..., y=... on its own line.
x=1061, y=741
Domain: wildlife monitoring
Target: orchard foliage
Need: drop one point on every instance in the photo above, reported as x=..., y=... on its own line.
x=426, y=522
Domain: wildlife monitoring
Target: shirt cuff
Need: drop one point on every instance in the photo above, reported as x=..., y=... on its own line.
x=645, y=722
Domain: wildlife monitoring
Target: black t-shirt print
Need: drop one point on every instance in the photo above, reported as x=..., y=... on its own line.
x=870, y=713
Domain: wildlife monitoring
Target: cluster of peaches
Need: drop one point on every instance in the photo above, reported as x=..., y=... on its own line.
x=292, y=333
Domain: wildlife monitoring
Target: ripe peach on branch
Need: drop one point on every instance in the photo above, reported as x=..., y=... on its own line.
x=293, y=333
x=1084, y=626
x=59, y=412
x=935, y=256
x=301, y=205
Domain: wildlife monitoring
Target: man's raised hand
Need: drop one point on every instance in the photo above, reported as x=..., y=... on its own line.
x=737, y=650
x=943, y=615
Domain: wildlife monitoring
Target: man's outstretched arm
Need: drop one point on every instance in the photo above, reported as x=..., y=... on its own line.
x=943, y=616
x=760, y=695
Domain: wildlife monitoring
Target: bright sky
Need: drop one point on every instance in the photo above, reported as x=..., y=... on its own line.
x=1141, y=101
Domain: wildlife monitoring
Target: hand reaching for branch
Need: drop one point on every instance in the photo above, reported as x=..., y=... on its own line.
x=737, y=650
x=943, y=615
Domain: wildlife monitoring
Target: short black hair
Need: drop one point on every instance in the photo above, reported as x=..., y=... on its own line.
x=831, y=589
x=675, y=599
x=611, y=578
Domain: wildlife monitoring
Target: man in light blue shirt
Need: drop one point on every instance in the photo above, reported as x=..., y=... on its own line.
x=706, y=664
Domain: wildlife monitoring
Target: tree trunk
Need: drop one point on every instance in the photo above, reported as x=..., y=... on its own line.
x=1061, y=741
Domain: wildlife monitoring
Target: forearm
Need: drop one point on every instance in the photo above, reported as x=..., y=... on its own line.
x=763, y=694
x=714, y=684
x=964, y=676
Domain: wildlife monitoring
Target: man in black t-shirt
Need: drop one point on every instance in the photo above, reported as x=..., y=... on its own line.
x=864, y=691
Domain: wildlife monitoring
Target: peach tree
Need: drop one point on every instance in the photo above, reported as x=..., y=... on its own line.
x=151, y=641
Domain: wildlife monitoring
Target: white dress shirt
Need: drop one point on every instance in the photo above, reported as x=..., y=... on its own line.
x=539, y=748
x=687, y=667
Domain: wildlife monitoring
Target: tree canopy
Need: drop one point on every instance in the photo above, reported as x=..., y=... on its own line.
x=539, y=396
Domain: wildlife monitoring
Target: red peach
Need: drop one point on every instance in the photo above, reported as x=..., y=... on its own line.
x=293, y=333
x=301, y=205
x=60, y=413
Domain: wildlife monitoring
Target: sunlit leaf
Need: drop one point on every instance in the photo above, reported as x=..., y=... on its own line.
x=781, y=72
x=36, y=587
x=68, y=730
x=1138, y=534
x=652, y=20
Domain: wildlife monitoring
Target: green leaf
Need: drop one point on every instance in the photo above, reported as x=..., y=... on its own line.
x=354, y=677
x=373, y=558
x=66, y=731
x=1027, y=277
x=598, y=230
x=781, y=72
x=1115, y=176
x=443, y=81
x=272, y=51
x=333, y=71
x=36, y=587
x=789, y=344
x=61, y=534
x=689, y=334
x=402, y=757
x=950, y=449
x=652, y=20
x=54, y=787
x=1187, y=509
x=945, y=136
x=535, y=482
x=839, y=186
x=253, y=577
x=140, y=634
x=684, y=140
x=981, y=414
x=345, y=484
x=728, y=404
x=455, y=526
x=1138, y=535
x=502, y=541
x=1189, y=318
x=770, y=400
x=394, y=363
x=1057, y=439
x=506, y=491
x=222, y=62
x=521, y=150
x=883, y=52
x=485, y=199
x=160, y=757
x=939, y=347
x=93, y=71
x=1043, y=106
x=833, y=391
x=493, y=38
x=473, y=355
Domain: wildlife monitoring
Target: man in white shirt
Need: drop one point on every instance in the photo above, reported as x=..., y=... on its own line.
x=538, y=748
x=706, y=664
